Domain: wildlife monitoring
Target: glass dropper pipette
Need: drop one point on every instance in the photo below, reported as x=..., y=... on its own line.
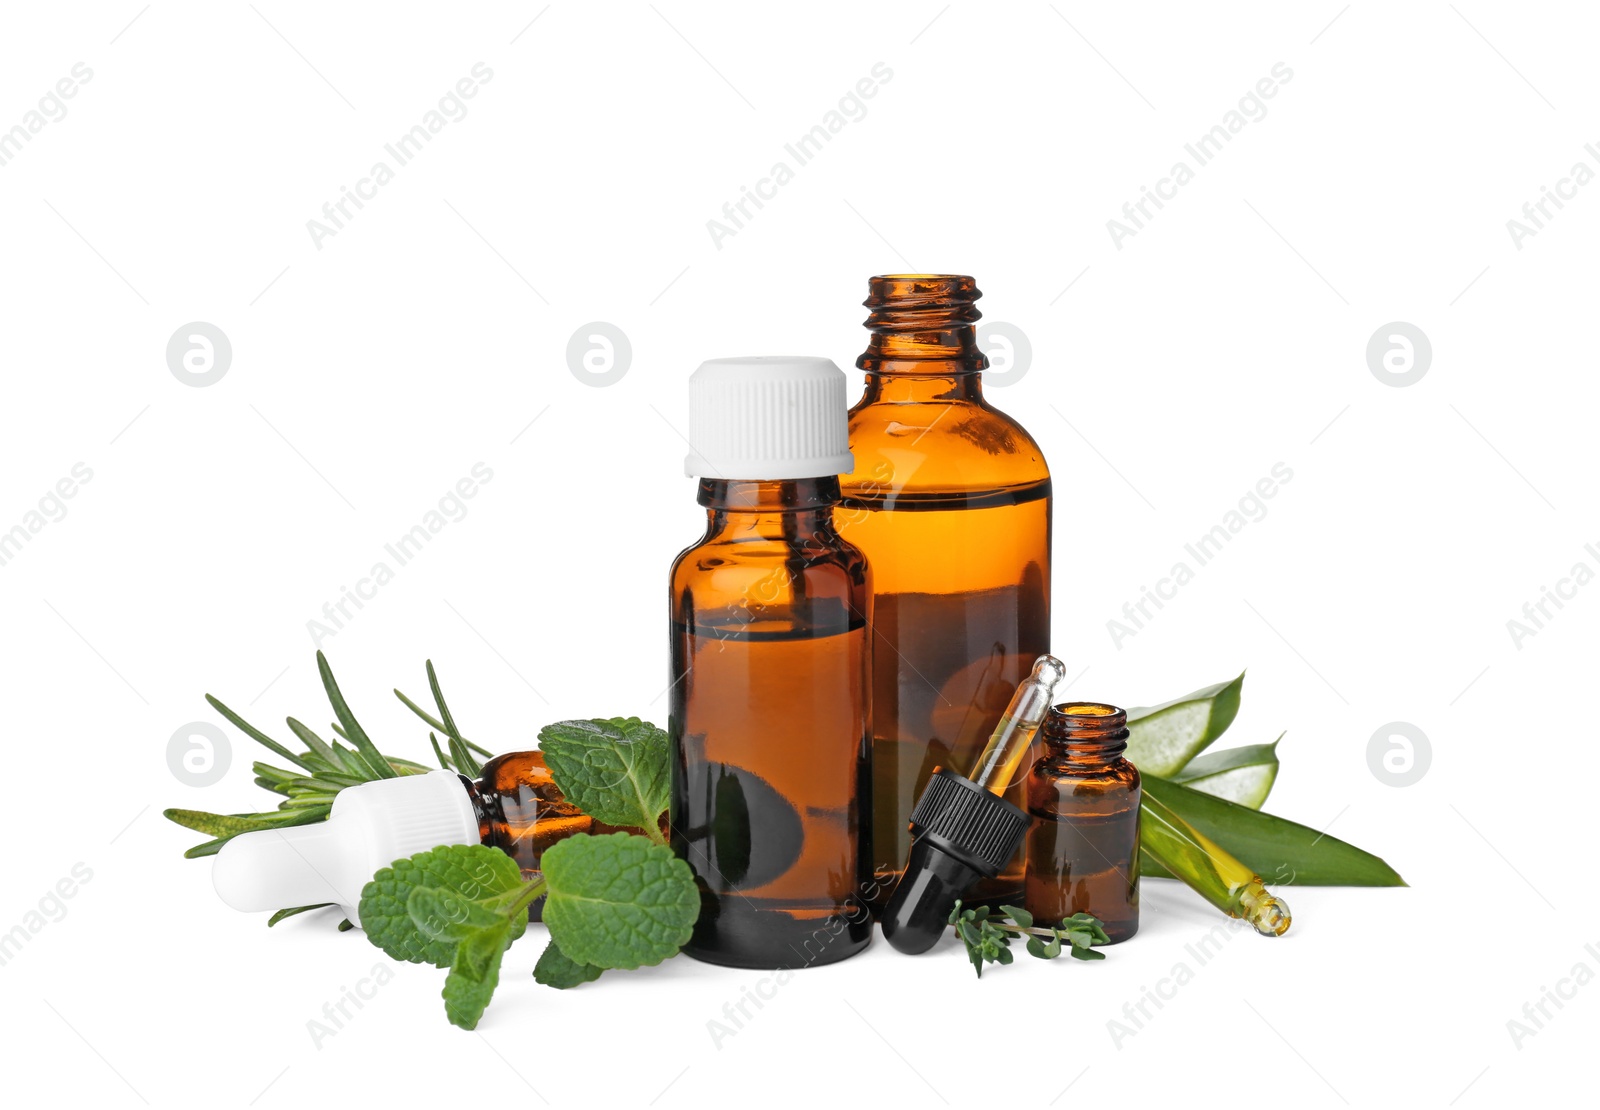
x=996, y=769
x=962, y=829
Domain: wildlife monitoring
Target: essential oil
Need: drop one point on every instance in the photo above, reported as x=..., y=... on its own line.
x=950, y=500
x=1083, y=846
x=770, y=696
x=513, y=805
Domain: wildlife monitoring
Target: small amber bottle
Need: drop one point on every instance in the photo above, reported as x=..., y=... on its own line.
x=1083, y=847
x=769, y=718
x=521, y=810
x=513, y=805
x=950, y=502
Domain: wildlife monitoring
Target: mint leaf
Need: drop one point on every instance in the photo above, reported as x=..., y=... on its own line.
x=559, y=970
x=441, y=914
x=475, y=873
x=615, y=770
x=618, y=900
x=475, y=972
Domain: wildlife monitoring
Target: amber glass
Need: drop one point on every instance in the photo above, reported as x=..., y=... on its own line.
x=1083, y=845
x=950, y=502
x=769, y=726
x=522, y=811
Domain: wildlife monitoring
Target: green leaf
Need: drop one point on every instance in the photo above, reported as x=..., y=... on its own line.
x=474, y=973
x=1163, y=738
x=311, y=740
x=1019, y=915
x=559, y=970
x=618, y=900
x=473, y=871
x=466, y=763
x=358, y=736
x=254, y=733
x=223, y=825
x=434, y=723
x=1278, y=850
x=292, y=911
x=1242, y=775
x=614, y=770
x=441, y=914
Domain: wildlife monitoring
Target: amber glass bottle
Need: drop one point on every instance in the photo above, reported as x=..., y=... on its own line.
x=1083, y=845
x=513, y=805
x=521, y=811
x=770, y=710
x=950, y=501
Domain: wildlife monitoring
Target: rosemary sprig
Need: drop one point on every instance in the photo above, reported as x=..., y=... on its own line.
x=319, y=772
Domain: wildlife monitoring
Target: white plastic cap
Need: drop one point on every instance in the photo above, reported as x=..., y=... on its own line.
x=767, y=418
x=371, y=826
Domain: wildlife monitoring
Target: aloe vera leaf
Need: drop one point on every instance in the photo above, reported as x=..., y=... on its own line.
x=1243, y=775
x=1163, y=738
x=1280, y=851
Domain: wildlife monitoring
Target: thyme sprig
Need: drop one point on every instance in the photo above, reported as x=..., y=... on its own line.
x=987, y=934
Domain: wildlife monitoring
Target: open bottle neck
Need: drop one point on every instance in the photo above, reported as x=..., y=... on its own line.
x=923, y=327
x=1085, y=734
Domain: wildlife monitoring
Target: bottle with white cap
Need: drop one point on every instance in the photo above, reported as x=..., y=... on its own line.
x=770, y=720
x=513, y=805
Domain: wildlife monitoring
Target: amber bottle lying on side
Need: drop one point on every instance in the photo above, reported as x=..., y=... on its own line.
x=950, y=502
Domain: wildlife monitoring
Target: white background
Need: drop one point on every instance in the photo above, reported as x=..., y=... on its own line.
x=371, y=374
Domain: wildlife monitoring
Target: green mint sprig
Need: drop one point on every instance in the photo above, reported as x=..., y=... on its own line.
x=612, y=901
x=987, y=935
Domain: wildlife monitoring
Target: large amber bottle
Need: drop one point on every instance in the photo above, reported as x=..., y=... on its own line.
x=950, y=501
x=770, y=719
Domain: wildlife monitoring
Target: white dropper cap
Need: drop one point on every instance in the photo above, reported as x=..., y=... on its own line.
x=370, y=826
x=768, y=418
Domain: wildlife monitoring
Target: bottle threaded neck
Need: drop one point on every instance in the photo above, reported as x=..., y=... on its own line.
x=922, y=324
x=1088, y=729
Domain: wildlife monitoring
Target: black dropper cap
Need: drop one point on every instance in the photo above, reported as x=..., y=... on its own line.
x=961, y=834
